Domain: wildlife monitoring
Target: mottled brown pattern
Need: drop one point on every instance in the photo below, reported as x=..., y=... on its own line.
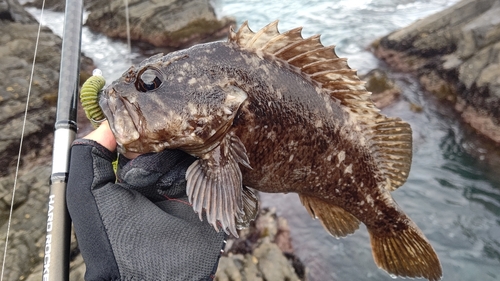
x=295, y=113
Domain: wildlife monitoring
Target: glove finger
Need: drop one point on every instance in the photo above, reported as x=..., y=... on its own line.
x=156, y=175
x=147, y=168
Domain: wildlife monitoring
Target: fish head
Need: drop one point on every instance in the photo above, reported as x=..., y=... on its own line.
x=169, y=102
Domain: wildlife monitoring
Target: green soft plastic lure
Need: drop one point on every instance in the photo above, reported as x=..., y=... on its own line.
x=89, y=97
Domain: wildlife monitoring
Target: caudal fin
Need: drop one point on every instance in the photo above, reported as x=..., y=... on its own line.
x=406, y=253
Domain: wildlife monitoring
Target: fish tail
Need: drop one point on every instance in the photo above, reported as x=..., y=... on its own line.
x=405, y=253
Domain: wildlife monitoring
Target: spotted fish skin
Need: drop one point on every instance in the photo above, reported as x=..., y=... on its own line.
x=277, y=113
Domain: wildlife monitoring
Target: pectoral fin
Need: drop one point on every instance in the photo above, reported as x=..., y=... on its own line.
x=336, y=220
x=214, y=184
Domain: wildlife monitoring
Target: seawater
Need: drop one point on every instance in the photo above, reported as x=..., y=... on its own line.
x=453, y=191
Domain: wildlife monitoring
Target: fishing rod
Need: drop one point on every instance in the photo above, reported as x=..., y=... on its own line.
x=57, y=242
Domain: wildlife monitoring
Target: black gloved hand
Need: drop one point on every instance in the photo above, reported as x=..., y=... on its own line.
x=143, y=227
x=158, y=176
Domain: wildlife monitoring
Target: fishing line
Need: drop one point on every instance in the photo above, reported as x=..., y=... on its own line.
x=127, y=20
x=21, y=143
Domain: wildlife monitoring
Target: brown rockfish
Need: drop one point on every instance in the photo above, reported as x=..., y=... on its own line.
x=276, y=112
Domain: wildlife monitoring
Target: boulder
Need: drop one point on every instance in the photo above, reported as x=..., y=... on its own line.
x=456, y=55
x=172, y=23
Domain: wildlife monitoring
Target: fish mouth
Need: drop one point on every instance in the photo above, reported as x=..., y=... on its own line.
x=119, y=112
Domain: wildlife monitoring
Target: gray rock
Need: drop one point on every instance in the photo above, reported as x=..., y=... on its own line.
x=456, y=55
x=266, y=262
x=249, y=269
x=172, y=23
x=480, y=32
x=11, y=10
x=17, y=45
x=262, y=252
x=21, y=196
x=77, y=270
x=16, y=53
x=228, y=270
x=273, y=264
x=28, y=226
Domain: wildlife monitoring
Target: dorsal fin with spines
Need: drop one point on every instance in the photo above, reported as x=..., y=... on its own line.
x=279, y=42
x=263, y=36
x=319, y=63
x=391, y=137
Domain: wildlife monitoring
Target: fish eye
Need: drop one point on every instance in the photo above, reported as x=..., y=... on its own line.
x=148, y=79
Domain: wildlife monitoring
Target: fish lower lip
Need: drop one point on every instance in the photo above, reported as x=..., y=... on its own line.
x=124, y=127
x=120, y=120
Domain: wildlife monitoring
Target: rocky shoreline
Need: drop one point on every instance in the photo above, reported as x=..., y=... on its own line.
x=456, y=56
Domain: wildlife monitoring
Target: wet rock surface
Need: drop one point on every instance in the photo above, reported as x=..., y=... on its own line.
x=173, y=23
x=262, y=252
x=456, y=55
x=384, y=91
